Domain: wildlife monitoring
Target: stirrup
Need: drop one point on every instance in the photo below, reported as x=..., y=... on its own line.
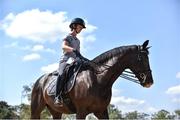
x=58, y=100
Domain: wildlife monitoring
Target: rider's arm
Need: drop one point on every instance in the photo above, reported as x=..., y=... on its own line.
x=66, y=47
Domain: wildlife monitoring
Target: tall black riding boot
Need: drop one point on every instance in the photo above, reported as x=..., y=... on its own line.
x=59, y=86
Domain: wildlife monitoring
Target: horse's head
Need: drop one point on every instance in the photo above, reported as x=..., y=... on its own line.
x=140, y=65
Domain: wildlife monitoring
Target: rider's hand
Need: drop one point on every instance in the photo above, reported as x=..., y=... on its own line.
x=78, y=54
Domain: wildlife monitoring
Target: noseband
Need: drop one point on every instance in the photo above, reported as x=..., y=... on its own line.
x=128, y=75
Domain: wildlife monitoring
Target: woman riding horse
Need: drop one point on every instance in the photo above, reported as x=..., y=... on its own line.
x=92, y=90
x=71, y=50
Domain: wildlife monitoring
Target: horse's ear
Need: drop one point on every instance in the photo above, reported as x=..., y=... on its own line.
x=145, y=44
x=148, y=47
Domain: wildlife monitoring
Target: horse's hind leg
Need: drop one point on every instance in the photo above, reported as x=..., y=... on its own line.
x=37, y=107
x=55, y=114
x=37, y=101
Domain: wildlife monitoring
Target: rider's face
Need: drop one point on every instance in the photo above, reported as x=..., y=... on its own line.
x=79, y=28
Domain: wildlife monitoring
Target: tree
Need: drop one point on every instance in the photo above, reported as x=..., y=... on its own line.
x=131, y=115
x=45, y=114
x=142, y=116
x=7, y=111
x=177, y=112
x=27, y=92
x=162, y=114
x=24, y=111
x=136, y=115
x=114, y=113
x=68, y=116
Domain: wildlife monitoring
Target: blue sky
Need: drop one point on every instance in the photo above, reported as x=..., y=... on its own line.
x=31, y=34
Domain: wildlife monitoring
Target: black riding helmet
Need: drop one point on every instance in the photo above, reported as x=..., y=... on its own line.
x=79, y=21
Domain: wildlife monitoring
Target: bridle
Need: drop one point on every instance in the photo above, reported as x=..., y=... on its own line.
x=128, y=75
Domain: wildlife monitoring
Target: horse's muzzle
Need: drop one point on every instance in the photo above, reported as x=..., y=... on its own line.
x=147, y=85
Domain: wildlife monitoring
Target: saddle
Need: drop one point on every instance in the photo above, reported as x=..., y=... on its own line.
x=71, y=72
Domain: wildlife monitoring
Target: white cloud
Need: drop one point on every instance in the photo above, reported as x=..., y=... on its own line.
x=121, y=100
x=175, y=93
x=90, y=38
x=35, y=25
x=178, y=75
x=12, y=45
x=41, y=26
x=175, y=90
x=31, y=57
x=38, y=48
x=127, y=104
x=17, y=46
x=116, y=92
x=50, y=68
x=50, y=50
x=35, y=48
x=176, y=100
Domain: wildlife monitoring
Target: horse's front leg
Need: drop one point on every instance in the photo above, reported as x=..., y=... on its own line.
x=102, y=115
x=81, y=115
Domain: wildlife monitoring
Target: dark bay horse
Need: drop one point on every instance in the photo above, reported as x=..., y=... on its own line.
x=92, y=90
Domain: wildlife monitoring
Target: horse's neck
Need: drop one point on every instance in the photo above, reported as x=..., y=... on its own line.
x=110, y=71
x=113, y=67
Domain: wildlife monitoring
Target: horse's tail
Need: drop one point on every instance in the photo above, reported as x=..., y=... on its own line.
x=37, y=101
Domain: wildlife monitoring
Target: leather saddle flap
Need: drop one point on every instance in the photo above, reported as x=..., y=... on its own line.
x=70, y=73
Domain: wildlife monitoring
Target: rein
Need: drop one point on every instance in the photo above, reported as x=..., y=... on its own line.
x=129, y=76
